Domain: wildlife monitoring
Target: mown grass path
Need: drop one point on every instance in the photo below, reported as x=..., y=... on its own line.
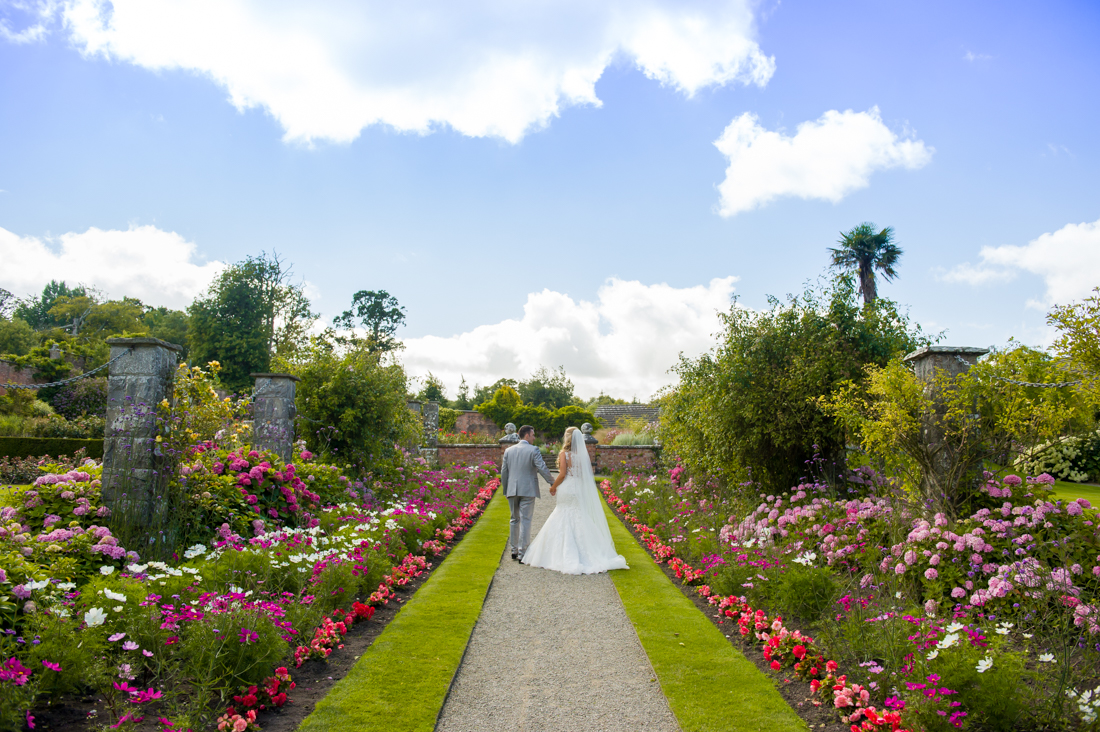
x=400, y=683
x=709, y=684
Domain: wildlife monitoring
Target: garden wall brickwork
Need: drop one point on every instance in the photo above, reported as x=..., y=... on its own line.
x=475, y=422
x=10, y=373
x=605, y=458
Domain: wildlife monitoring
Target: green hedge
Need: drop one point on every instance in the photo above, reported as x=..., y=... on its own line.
x=23, y=447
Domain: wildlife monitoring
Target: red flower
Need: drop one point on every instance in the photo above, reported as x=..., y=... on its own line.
x=776, y=666
x=799, y=652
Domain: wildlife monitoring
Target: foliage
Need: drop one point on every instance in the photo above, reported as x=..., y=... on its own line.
x=16, y=337
x=978, y=415
x=752, y=403
x=25, y=470
x=549, y=389
x=863, y=250
x=484, y=394
x=448, y=419
x=503, y=404
x=35, y=311
x=506, y=407
x=1078, y=327
x=433, y=391
x=379, y=314
x=354, y=408
x=462, y=401
x=633, y=438
x=167, y=325
x=997, y=612
x=466, y=438
x=1075, y=458
x=83, y=397
x=249, y=314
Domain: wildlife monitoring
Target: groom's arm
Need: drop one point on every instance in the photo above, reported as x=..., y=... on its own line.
x=540, y=465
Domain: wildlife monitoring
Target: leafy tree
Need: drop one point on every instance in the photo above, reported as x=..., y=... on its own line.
x=168, y=325
x=550, y=389
x=353, y=408
x=8, y=302
x=484, y=394
x=36, y=311
x=433, y=390
x=250, y=313
x=16, y=337
x=379, y=313
x=502, y=406
x=506, y=406
x=1078, y=327
x=863, y=250
x=604, y=400
x=463, y=402
x=751, y=405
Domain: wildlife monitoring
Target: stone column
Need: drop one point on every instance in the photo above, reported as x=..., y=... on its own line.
x=947, y=468
x=590, y=444
x=273, y=414
x=430, y=444
x=135, y=470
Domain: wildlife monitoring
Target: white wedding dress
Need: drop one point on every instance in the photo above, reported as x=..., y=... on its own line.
x=575, y=538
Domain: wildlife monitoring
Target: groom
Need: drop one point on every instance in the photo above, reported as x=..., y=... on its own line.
x=519, y=474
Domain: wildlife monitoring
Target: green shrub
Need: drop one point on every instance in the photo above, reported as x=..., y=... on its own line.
x=808, y=593
x=448, y=419
x=23, y=447
x=627, y=439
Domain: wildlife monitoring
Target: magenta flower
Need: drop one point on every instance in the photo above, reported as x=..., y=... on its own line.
x=51, y=665
x=116, y=637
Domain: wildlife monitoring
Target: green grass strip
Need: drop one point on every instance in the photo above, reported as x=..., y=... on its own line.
x=401, y=681
x=709, y=684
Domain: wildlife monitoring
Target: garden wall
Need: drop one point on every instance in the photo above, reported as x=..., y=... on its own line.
x=469, y=454
x=475, y=422
x=10, y=373
x=605, y=458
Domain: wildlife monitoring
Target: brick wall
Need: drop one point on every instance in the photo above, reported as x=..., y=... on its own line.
x=475, y=422
x=10, y=373
x=608, y=458
x=469, y=454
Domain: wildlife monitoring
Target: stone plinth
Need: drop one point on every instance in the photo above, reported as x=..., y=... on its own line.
x=952, y=360
x=135, y=470
x=273, y=414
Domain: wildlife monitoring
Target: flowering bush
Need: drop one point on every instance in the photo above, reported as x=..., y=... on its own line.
x=974, y=603
x=1074, y=458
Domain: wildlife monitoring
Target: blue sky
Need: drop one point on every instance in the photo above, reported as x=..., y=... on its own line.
x=520, y=221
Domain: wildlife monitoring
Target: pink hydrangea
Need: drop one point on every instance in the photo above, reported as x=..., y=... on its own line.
x=931, y=574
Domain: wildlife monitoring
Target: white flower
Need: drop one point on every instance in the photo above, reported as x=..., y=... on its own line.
x=897, y=595
x=806, y=558
x=985, y=664
x=955, y=627
x=116, y=596
x=106, y=569
x=61, y=612
x=948, y=640
x=117, y=608
x=94, y=617
x=67, y=586
x=1027, y=635
x=137, y=568
x=932, y=655
x=194, y=551
x=36, y=585
x=1046, y=658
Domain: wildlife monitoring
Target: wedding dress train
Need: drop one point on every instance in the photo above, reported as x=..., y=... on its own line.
x=575, y=538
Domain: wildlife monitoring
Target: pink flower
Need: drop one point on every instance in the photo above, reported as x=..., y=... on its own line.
x=931, y=573
x=51, y=665
x=958, y=592
x=116, y=637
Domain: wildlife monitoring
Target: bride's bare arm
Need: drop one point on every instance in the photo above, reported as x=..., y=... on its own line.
x=563, y=468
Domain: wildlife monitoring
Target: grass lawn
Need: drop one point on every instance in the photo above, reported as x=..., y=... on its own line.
x=7, y=491
x=1070, y=491
x=402, y=680
x=709, y=684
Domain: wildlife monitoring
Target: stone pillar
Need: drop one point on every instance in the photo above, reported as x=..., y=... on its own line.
x=946, y=467
x=273, y=414
x=135, y=470
x=590, y=444
x=430, y=445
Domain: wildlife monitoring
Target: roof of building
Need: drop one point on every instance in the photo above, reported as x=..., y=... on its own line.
x=608, y=414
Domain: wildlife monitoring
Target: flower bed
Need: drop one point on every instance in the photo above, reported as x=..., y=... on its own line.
x=283, y=579
x=937, y=624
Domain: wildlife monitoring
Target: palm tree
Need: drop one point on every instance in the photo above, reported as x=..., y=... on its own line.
x=864, y=250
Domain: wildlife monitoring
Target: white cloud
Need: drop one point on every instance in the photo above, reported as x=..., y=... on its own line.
x=972, y=57
x=36, y=18
x=157, y=267
x=1068, y=260
x=827, y=158
x=327, y=69
x=622, y=344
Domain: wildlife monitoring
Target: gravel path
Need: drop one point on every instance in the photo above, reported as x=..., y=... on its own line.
x=554, y=652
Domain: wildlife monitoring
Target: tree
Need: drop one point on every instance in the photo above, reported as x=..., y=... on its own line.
x=433, y=390
x=484, y=394
x=8, y=302
x=168, y=325
x=550, y=389
x=463, y=400
x=16, y=337
x=36, y=311
x=863, y=250
x=751, y=405
x=250, y=313
x=1078, y=327
x=379, y=313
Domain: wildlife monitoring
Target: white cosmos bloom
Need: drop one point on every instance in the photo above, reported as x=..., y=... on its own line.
x=985, y=664
x=932, y=655
x=955, y=627
x=94, y=617
x=36, y=585
x=1046, y=658
x=948, y=640
x=67, y=586
x=106, y=569
x=116, y=596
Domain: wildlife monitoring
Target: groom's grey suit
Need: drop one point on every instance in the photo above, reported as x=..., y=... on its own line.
x=519, y=474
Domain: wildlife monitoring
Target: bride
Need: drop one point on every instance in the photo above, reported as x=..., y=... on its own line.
x=575, y=538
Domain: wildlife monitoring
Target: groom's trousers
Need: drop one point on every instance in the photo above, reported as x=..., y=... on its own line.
x=519, y=535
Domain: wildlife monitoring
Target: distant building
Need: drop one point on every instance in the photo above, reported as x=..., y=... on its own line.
x=609, y=414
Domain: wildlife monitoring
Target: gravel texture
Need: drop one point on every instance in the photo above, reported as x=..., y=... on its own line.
x=554, y=652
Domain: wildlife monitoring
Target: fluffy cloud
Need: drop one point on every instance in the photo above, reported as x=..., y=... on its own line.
x=157, y=267
x=827, y=158
x=329, y=68
x=1068, y=260
x=622, y=344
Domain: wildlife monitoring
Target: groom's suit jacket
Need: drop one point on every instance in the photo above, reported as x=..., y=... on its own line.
x=520, y=470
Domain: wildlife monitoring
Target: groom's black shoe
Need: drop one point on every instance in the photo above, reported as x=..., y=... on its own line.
x=515, y=556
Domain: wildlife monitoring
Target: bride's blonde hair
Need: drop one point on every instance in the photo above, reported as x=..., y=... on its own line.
x=567, y=440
